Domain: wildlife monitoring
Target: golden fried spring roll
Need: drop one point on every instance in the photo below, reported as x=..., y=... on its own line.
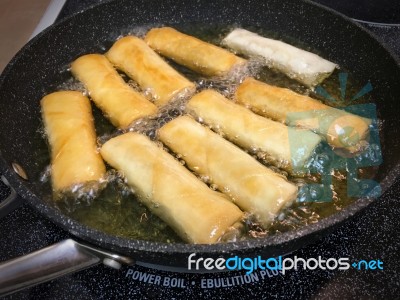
x=340, y=128
x=119, y=102
x=132, y=55
x=197, y=213
x=69, y=127
x=250, y=185
x=303, y=66
x=252, y=131
x=199, y=56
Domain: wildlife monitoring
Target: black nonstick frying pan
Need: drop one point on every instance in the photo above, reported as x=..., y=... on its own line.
x=39, y=67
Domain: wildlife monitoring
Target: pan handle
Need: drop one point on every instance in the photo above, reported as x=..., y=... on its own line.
x=65, y=257
x=12, y=202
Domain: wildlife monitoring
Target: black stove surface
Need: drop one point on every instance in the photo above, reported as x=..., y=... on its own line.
x=373, y=234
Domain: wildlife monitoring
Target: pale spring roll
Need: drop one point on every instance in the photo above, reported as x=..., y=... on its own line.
x=68, y=122
x=289, y=148
x=197, y=213
x=340, y=128
x=118, y=101
x=250, y=185
x=132, y=55
x=303, y=66
x=201, y=57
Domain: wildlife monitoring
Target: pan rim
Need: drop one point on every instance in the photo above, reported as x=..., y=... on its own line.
x=86, y=233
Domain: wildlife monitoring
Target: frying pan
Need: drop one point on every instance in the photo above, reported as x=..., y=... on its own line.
x=38, y=68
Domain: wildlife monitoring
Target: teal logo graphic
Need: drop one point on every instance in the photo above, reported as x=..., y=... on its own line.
x=368, y=265
x=350, y=143
x=343, y=86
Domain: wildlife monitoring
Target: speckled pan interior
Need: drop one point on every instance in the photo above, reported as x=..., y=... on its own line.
x=36, y=68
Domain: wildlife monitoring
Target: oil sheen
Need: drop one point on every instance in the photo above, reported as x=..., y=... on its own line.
x=115, y=209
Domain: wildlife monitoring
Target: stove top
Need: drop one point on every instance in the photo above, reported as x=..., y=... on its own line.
x=373, y=234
